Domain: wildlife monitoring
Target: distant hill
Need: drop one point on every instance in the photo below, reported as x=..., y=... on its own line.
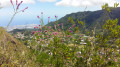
x=28, y=26
x=92, y=18
x=25, y=31
x=13, y=53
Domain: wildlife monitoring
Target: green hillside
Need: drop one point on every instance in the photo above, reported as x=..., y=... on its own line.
x=91, y=18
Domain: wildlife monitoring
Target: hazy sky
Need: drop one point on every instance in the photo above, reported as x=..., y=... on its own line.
x=48, y=7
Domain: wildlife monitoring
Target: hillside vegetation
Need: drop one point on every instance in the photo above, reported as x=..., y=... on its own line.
x=63, y=44
x=13, y=53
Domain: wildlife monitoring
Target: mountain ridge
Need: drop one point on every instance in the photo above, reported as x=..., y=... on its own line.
x=92, y=18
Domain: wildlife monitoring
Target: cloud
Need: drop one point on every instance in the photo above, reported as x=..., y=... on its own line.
x=6, y=3
x=47, y=0
x=83, y=3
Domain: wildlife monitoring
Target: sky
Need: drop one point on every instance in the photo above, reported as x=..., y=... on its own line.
x=50, y=8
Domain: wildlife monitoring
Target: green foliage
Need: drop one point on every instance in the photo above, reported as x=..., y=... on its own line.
x=116, y=5
x=71, y=20
x=80, y=22
x=106, y=7
x=42, y=58
x=53, y=47
x=109, y=41
x=63, y=49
